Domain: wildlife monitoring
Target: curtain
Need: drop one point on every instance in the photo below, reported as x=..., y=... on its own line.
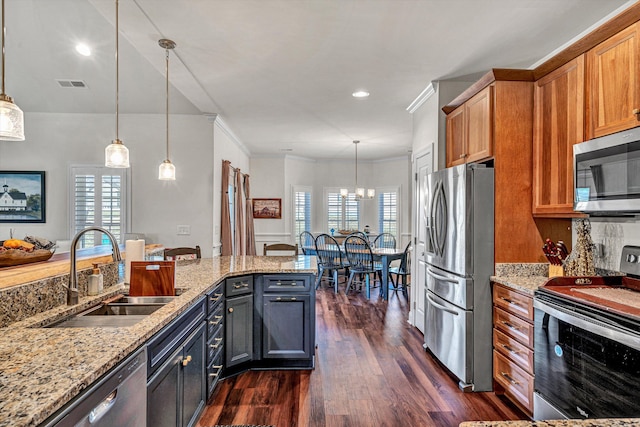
x=239, y=228
x=225, y=218
x=251, y=238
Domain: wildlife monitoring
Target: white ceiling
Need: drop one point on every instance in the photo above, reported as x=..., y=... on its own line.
x=281, y=72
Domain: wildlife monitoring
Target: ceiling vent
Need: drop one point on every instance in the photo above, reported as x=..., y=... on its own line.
x=72, y=84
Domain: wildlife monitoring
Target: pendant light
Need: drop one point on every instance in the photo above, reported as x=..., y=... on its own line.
x=359, y=191
x=11, y=116
x=167, y=171
x=116, y=154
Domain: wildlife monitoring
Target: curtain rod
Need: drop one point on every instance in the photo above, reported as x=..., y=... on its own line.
x=235, y=169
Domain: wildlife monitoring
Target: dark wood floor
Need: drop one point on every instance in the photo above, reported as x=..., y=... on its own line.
x=371, y=370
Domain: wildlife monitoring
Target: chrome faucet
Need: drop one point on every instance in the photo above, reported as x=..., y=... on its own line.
x=72, y=289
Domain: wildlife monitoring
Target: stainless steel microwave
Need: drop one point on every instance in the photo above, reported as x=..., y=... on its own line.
x=607, y=174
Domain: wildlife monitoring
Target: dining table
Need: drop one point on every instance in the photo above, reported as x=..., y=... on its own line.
x=382, y=255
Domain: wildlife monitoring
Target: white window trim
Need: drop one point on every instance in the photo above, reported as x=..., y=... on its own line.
x=325, y=217
x=398, y=191
x=295, y=189
x=126, y=200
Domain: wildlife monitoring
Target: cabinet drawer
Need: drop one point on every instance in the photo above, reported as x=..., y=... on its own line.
x=215, y=321
x=215, y=298
x=239, y=286
x=514, y=350
x=214, y=346
x=517, y=383
x=513, y=302
x=161, y=346
x=214, y=373
x=513, y=326
x=286, y=283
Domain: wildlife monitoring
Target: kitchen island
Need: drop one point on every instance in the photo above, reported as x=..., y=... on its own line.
x=44, y=368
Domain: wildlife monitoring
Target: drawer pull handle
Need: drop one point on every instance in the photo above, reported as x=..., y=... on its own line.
x=215, y=298
x=512, y=302
x=186, y=361
x=241, y=285
x=286, y=299
x=508, y=378
x=215, y=374
x=510, y=350
x=510, y=326
x=216, y=345
x=215, y=322
x=293, y=283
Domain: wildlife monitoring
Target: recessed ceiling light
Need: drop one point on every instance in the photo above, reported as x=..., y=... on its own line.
x=83, y=49
x=360, y=94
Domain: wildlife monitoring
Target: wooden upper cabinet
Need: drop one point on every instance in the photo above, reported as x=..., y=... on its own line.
x=456, y=139
x=613, y=88
x=558, y=125
x=470, y=130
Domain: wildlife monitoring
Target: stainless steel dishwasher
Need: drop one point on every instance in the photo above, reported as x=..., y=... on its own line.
x=117, y=399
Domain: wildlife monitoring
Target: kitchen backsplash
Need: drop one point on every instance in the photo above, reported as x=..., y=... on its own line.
x=610, y=235
x=23, y=301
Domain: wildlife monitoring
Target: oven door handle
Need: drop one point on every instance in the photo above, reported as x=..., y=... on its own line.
x=586, y=322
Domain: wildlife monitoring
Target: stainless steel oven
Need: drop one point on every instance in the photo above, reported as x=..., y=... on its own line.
x=607, y=174
x=587, y=364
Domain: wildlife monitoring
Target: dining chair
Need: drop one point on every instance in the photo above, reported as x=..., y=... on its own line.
x=402, y=271
x=280, y=249
x=361, y=262
x=330, y=259
x=178, y=254
x=385, y=240
x=307, y=241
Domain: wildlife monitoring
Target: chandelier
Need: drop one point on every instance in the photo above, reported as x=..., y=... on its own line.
x=359, y=191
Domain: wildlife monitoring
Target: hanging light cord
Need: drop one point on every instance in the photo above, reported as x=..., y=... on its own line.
x=167, y=109
x=4, y=34
x=356, y=144
x=117, y=72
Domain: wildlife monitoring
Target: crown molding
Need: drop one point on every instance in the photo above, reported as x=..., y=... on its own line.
x=424, y=95
x=216, y=119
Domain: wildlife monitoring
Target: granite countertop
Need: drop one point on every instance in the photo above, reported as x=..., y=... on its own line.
x=527, y=284
x=604, y=422
x=42, y=369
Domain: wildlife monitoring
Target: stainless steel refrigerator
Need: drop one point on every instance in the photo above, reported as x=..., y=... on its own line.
x=459, y=254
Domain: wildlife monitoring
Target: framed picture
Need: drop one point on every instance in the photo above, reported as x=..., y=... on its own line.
x=22, y=196
x=267, y=208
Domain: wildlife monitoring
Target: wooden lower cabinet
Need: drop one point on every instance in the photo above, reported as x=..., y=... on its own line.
x=513, y=346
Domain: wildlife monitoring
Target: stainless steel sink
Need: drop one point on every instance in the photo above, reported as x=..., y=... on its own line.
x=143, y=300
x=121, y=312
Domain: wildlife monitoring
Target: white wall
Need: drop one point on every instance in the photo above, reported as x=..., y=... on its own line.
x=276, y=177
x=56, y=141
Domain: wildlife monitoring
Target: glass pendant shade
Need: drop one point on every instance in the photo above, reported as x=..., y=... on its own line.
x=166, y=171
x=116, y=155
x=11, y=120
x=359, y=193
x=371, y=193
x=344, y=192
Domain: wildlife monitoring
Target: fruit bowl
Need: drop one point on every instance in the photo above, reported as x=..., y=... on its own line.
x=13, y=257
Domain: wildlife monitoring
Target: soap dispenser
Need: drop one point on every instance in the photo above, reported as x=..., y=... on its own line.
x=95, y=281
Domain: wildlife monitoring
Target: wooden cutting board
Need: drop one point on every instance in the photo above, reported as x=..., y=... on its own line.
x=152, y=278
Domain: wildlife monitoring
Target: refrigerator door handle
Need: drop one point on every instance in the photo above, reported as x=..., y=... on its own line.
x=439, y=277
x=440, y=306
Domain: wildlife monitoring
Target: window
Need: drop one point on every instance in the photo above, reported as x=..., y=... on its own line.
x=98, y=198
x=388, y=212
x=302, y=210
x=342, y=214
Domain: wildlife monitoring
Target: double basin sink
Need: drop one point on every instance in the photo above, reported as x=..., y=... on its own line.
x=118, y=312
